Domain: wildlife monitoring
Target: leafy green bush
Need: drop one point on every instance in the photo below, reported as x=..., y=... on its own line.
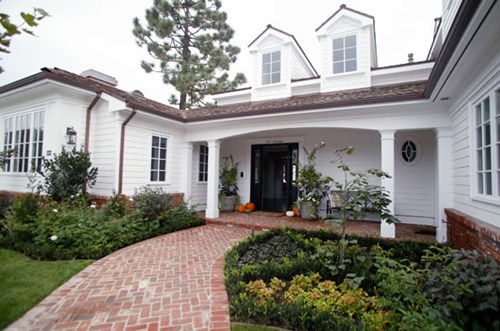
x=152, y=202
x=69, y=229
x=67, y=174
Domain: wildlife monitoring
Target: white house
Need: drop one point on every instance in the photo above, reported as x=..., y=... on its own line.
x=434, y=125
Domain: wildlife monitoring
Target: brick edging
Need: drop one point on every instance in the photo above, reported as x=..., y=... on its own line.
x=468, y=232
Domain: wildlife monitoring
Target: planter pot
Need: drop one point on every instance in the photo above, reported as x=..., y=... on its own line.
x=307, y=210
x=229, y=203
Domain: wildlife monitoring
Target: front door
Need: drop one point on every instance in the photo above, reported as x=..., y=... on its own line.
x=274, y=169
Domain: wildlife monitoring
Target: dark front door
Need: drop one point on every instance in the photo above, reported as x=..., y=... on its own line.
x=274, y=169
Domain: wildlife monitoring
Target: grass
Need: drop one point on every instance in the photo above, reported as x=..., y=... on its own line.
x=25, y=282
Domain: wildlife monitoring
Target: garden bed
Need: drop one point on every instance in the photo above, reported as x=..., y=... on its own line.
x=293, y=279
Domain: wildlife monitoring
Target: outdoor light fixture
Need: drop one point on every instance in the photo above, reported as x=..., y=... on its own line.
x=71, y=133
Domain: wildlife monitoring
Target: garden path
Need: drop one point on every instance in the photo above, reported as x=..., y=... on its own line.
x=172, y=282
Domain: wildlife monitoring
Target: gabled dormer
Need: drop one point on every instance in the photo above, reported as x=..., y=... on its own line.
x=277, y=60
x=348, y=50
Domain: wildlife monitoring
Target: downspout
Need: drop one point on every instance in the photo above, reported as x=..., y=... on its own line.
x=87, y=123
x=122, y=149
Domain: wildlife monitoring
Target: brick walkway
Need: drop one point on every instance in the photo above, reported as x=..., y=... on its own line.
x=173, y=282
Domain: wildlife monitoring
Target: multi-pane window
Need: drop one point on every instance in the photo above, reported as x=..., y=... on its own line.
x=344, y=54
x=487, y=135
x=158, y=159
x=203, y=164
x=24, y=135
x=271, y=68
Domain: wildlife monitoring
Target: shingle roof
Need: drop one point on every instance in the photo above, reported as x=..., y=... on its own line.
x=131, y=100
x=371, y=95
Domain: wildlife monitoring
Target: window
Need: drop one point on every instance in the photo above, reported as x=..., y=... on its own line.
x=203, y=164
x=24, y=134
x=271, y=68
x=344, y=54
x=487, y=145
x=158, y=159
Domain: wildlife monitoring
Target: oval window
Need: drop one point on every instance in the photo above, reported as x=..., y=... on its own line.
x=409, y=151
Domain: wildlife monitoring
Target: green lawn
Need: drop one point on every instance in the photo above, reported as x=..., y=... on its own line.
x=25, y=282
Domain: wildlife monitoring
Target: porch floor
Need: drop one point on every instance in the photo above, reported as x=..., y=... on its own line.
x=267, y=220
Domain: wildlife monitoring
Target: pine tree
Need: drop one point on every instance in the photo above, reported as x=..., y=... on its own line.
x=189, y=42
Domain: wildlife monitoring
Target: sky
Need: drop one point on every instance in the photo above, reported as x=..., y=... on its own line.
x=97, y=34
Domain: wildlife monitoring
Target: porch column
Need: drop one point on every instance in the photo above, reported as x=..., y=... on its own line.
x=387, y=164
x=444, y=140
x=188, y=174
x=212, y=210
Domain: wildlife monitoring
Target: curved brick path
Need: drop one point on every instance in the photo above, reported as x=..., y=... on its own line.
x=173, y=282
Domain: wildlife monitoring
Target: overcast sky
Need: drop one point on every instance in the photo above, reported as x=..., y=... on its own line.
x=96, y=34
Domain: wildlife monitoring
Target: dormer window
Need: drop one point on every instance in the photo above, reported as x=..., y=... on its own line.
x=271, y=68
x=344, y=54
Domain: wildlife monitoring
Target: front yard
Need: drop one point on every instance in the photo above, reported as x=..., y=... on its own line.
x=25, y=282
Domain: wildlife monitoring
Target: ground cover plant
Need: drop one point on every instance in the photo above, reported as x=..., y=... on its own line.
x=45, y=229
x=293, y=279
x=24, y=282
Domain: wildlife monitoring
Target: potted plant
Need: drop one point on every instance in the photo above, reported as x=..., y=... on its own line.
x=228, y=178
x=311, y=185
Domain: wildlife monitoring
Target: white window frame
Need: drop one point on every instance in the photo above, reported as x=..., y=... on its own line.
x=331, y=62
x=202, y=164
x=24, y=158
x=486, y=151
x=271, y=72
x=166, y=159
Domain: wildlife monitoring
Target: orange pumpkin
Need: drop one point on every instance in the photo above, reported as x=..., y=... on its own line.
x=250, y=206
x=241, y=208
x=295, y=211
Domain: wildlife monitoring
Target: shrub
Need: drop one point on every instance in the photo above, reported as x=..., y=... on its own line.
x=67, y=174
x=152, y=202
x=179, y=218
x=116, y=206
x=20, y=225
x=6, y=202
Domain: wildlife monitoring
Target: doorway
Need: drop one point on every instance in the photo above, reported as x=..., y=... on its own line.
x=274, y=169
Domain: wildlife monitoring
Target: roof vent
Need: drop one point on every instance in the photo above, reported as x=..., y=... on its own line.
x=137, y=93
x=410, y=58
x=100, y=77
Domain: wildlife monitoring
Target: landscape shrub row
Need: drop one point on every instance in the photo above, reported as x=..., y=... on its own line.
x=74, y=229
x=293, y=279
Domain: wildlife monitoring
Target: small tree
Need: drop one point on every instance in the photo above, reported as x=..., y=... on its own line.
x=68, y=173
x=5, y=156
x=356, y=195
x=189, y=42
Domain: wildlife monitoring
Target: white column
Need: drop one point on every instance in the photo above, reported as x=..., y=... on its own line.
x=444, y=141
x=212, y=210
x=188, y=172
x=387, y=151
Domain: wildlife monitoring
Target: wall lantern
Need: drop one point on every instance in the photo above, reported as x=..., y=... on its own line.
x=71, y=133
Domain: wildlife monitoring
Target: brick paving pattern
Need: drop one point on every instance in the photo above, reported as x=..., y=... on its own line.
x=173, y=282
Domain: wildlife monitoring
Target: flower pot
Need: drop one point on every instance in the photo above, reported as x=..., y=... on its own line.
x=307, y=210
x=229, y=203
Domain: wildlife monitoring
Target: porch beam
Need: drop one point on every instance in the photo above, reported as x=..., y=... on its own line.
x=212, y=210
x=444, y=141
x=387, y=152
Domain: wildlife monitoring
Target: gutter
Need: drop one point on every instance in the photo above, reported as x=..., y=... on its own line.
x=87, y=123
x=122, y=149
